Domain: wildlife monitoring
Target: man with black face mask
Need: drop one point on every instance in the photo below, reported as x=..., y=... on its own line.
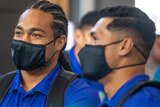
x=39, y=38
x=116, y=55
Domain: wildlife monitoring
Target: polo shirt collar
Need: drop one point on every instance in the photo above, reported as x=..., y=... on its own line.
x=118, y=95
x=43, y=86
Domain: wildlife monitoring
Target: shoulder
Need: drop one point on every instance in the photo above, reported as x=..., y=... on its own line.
x=7, y=76
x=80, y=94
x=146, y=97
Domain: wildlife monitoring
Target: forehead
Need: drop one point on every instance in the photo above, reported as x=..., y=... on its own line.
x=101, y=26
x=35, y=17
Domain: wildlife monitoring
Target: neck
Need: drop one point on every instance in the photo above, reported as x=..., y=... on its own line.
x=31, y=78
x=116, y=79
x=76, y=51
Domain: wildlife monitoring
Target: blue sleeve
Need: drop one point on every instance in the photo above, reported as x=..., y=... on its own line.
x=79, y=94
x=147, y=97
x=157, y=75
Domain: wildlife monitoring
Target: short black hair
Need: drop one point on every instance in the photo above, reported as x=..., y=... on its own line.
x=60, y=22
x=133, y=20
x=89, y=19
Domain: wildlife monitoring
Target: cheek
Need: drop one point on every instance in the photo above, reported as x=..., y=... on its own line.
x=156, y=54
x=108, y=56
x=156, y=50
x=49, y=51
x=111, y=56
x=87, y=39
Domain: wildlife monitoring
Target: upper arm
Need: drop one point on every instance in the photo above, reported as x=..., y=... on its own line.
x=81, y=95
x=146, y=97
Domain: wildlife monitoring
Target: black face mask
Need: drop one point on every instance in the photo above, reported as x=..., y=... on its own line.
x=27, y=56
x=93, y=61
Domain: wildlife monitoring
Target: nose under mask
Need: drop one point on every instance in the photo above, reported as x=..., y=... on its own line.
x=27, y=56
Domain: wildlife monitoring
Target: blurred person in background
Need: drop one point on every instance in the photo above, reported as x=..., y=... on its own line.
x=81, y=37
x=155, y=57
x=153, y=62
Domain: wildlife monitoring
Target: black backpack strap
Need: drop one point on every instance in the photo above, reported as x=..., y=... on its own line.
x=136, y=88
x=55, y=96
x=64, y=60
x=5, y=82
x=56, y=93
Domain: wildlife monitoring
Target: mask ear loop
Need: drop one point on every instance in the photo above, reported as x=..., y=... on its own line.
x=53, y=53
x=50, y=42
x=140, y=52
x=113, y=43
x=142, y=63
x=51, y=58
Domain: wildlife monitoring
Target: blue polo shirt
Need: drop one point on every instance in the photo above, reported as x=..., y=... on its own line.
x=76, y=68
x=146, y=97
x=157, y=75
x=78, y=94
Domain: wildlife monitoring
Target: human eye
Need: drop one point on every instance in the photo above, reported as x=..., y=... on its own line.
x=93, y=36
x=18, y=33
x=37, y=35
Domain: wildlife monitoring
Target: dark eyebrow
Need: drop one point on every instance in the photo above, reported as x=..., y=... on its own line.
x=32, y=29
x=19, y=27
x=37, y=29
x=92, y=33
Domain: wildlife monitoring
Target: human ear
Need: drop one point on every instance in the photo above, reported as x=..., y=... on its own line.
x=79, y=39
x=126, y=46
x=60, y=42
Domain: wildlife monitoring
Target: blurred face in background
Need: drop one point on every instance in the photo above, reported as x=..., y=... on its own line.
x=82, y=36
x=155, y=53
